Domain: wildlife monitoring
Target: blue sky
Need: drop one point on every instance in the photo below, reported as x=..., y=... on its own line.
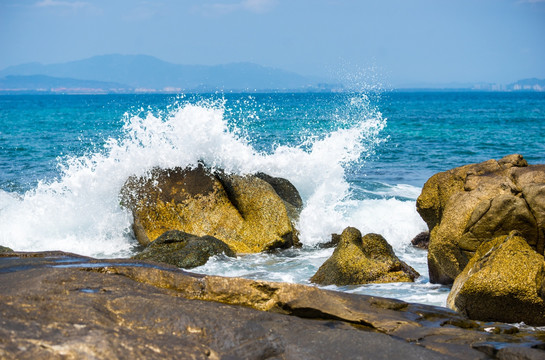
x=395, y=42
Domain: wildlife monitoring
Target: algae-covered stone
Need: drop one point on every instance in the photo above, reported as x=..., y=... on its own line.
x=245, y=212
x=363, y=260
x=468, y=205
x=504, y=281
x=184, y=250
x=287, y=192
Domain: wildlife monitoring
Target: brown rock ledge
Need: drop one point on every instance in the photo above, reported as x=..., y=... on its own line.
x=60, y=305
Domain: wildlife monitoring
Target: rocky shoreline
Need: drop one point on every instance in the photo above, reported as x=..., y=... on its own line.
x=59, y=305
x=486, y=237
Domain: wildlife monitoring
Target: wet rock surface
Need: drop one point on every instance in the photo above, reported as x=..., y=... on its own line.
x=184, y=250
x=421, y=241
x=57, y=305
x=245, y=212
x=287, y=192
x=363, y=260
x=475, y=203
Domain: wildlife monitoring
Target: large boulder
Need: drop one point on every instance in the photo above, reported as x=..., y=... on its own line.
x=363, y=260
x=184, y=250
x=245, y=212
x=474, y=203
x=504, y=281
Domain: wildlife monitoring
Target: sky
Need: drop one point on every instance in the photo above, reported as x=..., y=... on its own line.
x=394, y=42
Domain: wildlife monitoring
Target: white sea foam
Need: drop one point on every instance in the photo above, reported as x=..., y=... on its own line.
x=80, y=211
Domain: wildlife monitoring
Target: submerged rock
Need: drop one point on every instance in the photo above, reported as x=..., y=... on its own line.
x=245, y=212
x=504, y=281
x=468, y=205
x=363, y=260
x=335, y=238
x=421, y=240
x=184, y=250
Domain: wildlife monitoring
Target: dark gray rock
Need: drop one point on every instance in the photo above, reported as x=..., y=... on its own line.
x=184, y=250
x=335, y=238
x=520, y=353
x=421, y=240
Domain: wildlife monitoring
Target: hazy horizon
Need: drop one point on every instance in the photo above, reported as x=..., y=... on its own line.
x=391, y=42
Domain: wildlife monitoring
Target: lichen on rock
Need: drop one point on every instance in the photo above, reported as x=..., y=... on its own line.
x=468, y=205
x=245, y=212
x=504, y=281
x=363, y=260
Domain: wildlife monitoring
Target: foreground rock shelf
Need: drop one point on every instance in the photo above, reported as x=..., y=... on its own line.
x=59, y=305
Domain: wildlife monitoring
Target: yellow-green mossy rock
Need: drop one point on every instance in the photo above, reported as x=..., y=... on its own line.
x=504, y=282
x=468, y=205
x=363, y=260
x=245, y=212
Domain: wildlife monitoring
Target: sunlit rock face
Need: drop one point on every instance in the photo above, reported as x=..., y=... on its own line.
x=471, y=204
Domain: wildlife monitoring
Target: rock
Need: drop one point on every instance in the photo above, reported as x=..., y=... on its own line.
x=4, y=249
x=363, y=260
x=184, y=250
x=504, y=281
x=468, y=205
x=57, y=305
x=245, y=212
x=129, y=309
x=421, y=240
x=335, y=238
x=520, y=353
x=287, y=192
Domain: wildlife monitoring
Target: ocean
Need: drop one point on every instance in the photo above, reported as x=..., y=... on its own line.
x=358, y=159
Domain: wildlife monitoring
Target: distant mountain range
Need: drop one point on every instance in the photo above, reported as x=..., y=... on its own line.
x=141, y=73
x=147, y=74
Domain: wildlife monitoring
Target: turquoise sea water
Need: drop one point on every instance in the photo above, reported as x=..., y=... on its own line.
x=357, y=159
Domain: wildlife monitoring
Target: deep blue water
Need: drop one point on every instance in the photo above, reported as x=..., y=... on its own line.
x=426, y=132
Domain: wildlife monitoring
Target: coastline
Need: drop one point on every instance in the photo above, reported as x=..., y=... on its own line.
x=107, y=307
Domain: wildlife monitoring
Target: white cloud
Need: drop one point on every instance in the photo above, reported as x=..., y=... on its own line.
x=254, y=6
x=64, y=4
x=258, y=6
